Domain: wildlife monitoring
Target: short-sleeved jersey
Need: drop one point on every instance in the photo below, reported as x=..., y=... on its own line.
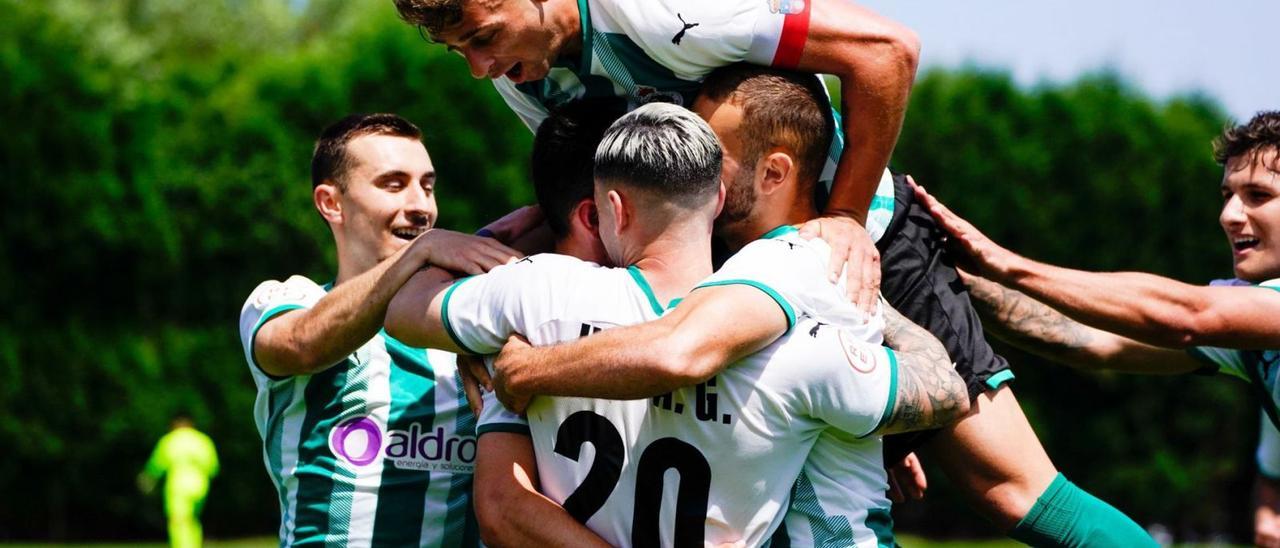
x=376, y=450
x=1258, y=367
x=796, y=269
x=711, y=463
x=841, y=486
x=645, y=50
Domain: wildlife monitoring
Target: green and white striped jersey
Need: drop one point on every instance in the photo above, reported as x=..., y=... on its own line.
x=377, y=450
x=646, y=50
x=736, y=443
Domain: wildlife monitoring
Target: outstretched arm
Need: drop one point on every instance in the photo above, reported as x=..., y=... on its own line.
x=713, y=327
x=1148, y=308
x=1034, y=327
x=930, y=392
x=306, y=341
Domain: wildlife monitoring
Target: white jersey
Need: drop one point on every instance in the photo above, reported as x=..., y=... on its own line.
x=796, y=269
x=843, y=484
x=644, y=50
x=737, y=443
x=377, y=450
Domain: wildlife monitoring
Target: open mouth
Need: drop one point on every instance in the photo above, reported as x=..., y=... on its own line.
x=1244, y=243
x=515, y=72
x=408, y=232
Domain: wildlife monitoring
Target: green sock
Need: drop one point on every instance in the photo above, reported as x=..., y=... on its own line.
x=1065, y=515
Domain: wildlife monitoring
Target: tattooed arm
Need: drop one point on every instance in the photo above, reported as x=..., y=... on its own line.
x=1035, y=327
x=930, y=392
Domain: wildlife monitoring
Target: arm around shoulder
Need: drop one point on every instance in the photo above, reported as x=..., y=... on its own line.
x=710, y=329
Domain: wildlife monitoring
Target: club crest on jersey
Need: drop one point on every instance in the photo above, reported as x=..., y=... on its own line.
x=856, y=352
x=648, y=94
x=361, y=441
x=786, y=7
x=278, y=293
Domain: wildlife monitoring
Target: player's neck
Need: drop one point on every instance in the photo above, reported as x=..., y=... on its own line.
x=673, y=263
x=568, y=19
x=351, y=264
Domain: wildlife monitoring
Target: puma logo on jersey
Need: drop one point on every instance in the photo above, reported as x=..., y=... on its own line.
x=525, y=260
x=680, y=35
x=814, y=332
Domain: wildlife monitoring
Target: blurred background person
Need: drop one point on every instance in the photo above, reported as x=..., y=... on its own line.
x=187, y=460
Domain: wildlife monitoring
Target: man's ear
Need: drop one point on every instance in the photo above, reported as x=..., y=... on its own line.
x=620, y=213
x=720, y=199
x=774, y=169
x=585, y=215
x=325, y=195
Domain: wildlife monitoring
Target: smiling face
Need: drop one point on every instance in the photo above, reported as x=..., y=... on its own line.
x=1251, y=214
x=389, y=197
x=519, y=39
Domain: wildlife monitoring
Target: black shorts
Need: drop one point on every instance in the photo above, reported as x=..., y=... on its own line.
x=920, y=281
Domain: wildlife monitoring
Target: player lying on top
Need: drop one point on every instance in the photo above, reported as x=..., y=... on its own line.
x=1143, y=323
x=739, y=441
x=542, y=54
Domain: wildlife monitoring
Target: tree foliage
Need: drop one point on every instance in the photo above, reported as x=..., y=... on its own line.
x=155, y=166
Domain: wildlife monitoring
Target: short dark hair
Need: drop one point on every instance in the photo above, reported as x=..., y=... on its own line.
x=564, y=152
x=779, y=108
x=664, y=149
x=330, y=160
x=431, y=16
x=1261, y=133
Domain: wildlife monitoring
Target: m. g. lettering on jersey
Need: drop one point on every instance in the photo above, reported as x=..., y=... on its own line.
x=705, y=406
x=361, y=441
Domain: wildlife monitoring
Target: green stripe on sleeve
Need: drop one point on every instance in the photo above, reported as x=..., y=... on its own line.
x=253, y=336
x=777, y=298
x=893, y=392
x=444, y=316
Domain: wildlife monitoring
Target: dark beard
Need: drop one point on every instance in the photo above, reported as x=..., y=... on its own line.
x=739, y=199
